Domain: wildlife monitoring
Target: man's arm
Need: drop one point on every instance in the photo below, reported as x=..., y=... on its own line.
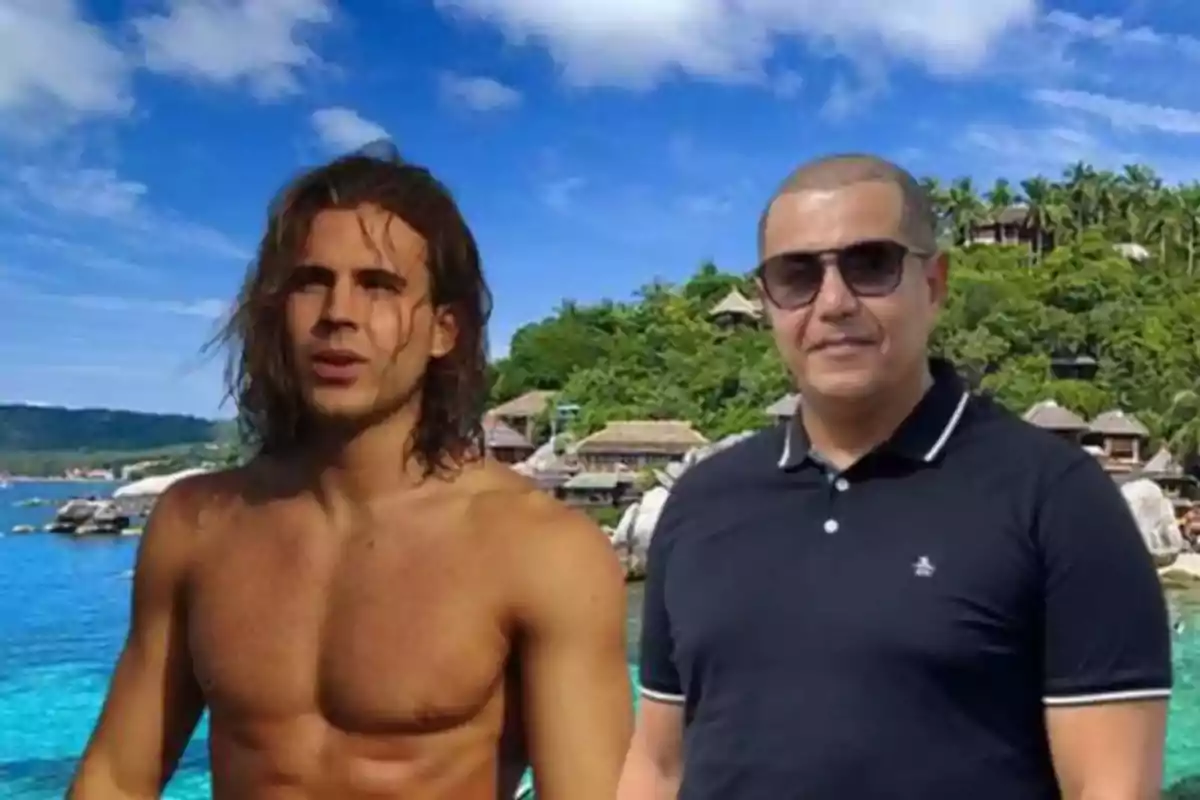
x=654, y=765
x=571, y=645
x=153, y=703
x=1106, y=642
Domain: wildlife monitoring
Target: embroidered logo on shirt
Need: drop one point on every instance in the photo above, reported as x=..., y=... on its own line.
x=924, y=568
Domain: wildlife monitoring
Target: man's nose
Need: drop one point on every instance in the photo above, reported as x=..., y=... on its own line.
x=835, y=299
x=341, y=304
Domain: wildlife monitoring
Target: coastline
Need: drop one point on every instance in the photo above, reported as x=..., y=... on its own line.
x=57, y=479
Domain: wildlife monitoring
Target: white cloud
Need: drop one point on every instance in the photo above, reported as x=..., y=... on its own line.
x=1047, y=150
x=56, y=67
x=478, y=93
x=1114, y=33
x=102, y=195
x=261, y=43
x=786, y=84
x=208, y=308
x=637, y=43
x=342, y=129
x=1126, y=115
x=63, y=249
x=559, y=194
x=1035, y=150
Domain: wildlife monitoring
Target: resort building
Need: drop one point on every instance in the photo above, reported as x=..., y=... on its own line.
x=599, y=489
x=1073, y=367
x=1120, y=438
x=782, y=409
x=503, y=443
x=736, y=310
x=1011, y=226
x=1050, y=416
x=637, y=444
x=522, y=413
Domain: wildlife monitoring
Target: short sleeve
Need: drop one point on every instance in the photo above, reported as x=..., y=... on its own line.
x=1106, y=633
x=658, y=675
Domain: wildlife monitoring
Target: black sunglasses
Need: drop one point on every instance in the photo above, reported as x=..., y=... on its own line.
x=869, y=269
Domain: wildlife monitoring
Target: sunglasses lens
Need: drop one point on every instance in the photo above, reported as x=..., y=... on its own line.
x=872, y=269
x=793, y=279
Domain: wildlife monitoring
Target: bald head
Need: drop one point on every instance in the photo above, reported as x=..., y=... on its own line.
x=918, y=223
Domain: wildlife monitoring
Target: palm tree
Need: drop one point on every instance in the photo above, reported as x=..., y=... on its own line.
x=964, y=209
x=1039, y=195
x=1189, y=208
x=1000, y=198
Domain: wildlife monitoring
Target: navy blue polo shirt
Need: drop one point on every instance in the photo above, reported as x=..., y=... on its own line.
x=898, y=629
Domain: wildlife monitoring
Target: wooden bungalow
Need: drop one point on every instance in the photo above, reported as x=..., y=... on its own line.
x=1163, y=469
x=736, y=310
x=1073, y=367
x=1010, y=226
x=598, y=489
x=1121, y=437
x=1050, y=416
x=782, y=409
x=503, y=443
x=637, y=444
x=521, y=413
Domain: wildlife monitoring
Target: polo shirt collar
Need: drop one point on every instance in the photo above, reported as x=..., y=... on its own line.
x=921, y=437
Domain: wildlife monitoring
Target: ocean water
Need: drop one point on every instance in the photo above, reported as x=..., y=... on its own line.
x=63, y=610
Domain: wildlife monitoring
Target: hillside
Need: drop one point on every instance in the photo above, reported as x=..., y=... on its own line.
x=43, y=429
x=1063, y=289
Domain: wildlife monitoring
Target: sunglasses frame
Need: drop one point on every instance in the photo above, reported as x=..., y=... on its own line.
x=903, y=250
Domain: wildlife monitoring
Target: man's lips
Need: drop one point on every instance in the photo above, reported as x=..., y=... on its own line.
x=842, y=343
x=337, y=366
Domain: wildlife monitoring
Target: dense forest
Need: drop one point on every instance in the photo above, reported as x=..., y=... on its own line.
x=45, y=428
x=41, y=440
x=1074, y=288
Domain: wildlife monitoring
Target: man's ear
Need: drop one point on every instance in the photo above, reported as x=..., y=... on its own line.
x=445, y=332
x=937, y=278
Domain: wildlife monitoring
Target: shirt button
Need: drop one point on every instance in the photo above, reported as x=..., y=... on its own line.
x=841, y=484
x=831, y=526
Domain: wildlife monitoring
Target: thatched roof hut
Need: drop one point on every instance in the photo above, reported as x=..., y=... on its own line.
x=1163, y=463
x=1052, y=417
x=527, y=406
x=736, y=304
x=1118, y=423
x=498, y=435
x=667, y=437
x=784, y=407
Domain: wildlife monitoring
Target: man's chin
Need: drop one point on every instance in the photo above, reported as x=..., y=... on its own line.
x=849, y=385
x=339, y=406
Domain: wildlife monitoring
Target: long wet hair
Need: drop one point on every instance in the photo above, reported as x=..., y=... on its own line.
x=260, y=377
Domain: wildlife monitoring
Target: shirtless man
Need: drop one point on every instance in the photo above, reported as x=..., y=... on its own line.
x=368, y=609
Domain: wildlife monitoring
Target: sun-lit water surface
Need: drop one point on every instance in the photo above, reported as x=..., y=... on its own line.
x=63, y=611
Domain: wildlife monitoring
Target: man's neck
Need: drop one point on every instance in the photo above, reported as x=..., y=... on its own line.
x=353, y=467
x=845, y=432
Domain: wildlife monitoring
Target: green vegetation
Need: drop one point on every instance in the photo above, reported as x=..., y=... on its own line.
x=1012, y=308
x=39, y=440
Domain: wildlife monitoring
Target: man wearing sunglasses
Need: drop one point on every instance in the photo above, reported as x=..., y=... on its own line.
x=906, y=591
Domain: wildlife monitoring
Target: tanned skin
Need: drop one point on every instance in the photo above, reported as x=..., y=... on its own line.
x=356, y=628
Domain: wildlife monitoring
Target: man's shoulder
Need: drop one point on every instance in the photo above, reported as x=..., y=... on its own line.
x=187, y=499
x=1009, y=441
x=505, y=503
x=543, y=546
x=744, y=462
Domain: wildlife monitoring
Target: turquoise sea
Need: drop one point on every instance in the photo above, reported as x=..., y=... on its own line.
x=63, y=611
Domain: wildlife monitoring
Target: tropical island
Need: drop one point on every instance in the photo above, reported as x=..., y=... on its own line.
x=1075, y=302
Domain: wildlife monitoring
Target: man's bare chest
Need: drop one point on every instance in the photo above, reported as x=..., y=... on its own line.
x=373, y=634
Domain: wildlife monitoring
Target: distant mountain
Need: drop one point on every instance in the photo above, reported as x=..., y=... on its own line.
x=34, y=429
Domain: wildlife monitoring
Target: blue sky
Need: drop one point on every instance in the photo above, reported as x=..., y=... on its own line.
x=593, y=145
